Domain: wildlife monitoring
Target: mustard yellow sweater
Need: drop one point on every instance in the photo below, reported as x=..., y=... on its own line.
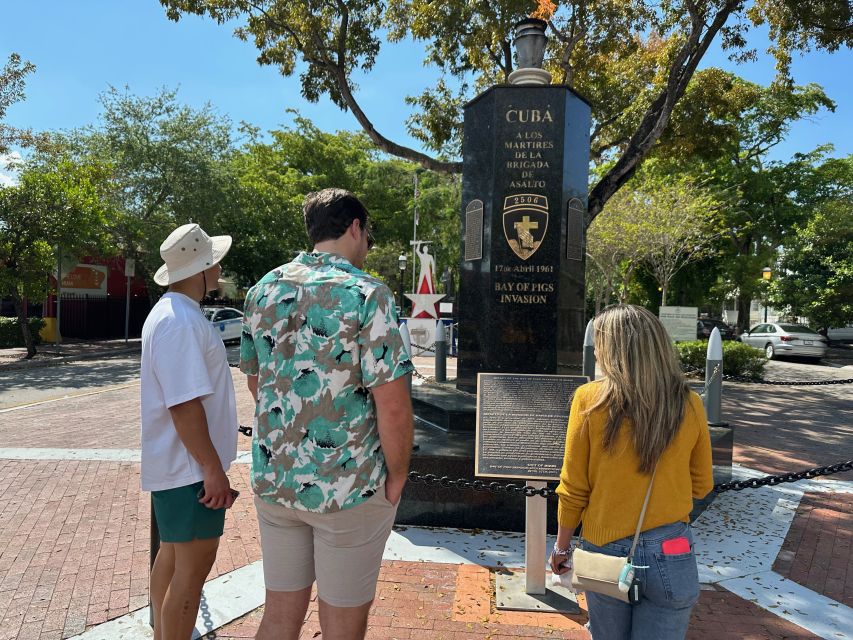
x=606, y=491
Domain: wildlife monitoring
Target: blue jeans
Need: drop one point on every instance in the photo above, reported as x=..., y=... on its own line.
x=671, y=589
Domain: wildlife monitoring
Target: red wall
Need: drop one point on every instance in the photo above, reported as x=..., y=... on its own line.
x=116, y=280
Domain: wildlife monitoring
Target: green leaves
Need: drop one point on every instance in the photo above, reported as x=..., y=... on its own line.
x=12, y=80
x=815, y=271
x=52, y=207
x=165, y=165
x=632, y=60
x=661, y=222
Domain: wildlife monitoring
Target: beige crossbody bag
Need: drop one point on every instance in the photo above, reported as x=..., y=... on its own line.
x=592, y=571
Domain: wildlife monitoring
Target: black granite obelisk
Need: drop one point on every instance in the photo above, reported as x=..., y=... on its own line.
x=524, y=193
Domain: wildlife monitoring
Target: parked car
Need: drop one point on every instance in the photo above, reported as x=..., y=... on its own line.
x=841, y=334
x=226, y=321
x=704, y=327
x=786, y=340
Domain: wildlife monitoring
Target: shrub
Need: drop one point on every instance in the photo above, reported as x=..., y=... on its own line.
x=739, y=359
x=10, y=332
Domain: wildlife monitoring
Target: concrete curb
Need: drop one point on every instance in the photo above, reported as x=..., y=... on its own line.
x=49, y=362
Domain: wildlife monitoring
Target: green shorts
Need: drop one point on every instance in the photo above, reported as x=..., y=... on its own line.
x=182, y=518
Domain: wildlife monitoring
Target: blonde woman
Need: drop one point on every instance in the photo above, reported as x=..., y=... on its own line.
x=640, y=418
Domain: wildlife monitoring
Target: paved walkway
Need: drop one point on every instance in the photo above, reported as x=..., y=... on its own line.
x=74, y=531
x=70, y=350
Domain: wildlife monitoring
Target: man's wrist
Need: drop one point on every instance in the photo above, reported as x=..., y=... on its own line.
x=212, y=468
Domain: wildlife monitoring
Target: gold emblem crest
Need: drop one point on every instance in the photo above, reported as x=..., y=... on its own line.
x=525, y=219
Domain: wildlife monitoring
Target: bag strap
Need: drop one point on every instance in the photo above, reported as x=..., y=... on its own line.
x=643, y=514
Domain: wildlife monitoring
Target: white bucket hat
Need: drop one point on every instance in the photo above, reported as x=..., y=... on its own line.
x=187, y=251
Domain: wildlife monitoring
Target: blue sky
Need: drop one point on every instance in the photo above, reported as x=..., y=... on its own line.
x=80, y=48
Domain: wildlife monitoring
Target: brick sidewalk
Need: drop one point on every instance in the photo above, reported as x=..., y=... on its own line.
x=74, y=534
x=817, y=550
x=455, y=602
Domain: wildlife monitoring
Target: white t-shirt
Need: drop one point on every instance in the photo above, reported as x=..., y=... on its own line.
x=182, y=359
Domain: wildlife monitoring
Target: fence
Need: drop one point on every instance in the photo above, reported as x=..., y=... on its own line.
x=234, y=303
x=90, y=317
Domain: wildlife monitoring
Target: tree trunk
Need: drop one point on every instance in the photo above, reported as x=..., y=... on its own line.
x=743, y=304
x=663, y=296
x=21, y=310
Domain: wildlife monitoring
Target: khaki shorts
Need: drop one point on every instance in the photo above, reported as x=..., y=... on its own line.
x=342, y=551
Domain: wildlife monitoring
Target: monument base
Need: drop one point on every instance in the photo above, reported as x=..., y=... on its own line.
x=451, y=454
x=722, y=442
x=440, y=405
x=510, y=595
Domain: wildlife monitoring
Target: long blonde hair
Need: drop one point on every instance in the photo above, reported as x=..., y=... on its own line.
x=643, y=381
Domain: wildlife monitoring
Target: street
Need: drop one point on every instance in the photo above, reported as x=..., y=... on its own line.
x=25, y=386
x=84, y=377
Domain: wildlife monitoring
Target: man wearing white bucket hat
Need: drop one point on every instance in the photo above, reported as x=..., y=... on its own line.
x=189, y=427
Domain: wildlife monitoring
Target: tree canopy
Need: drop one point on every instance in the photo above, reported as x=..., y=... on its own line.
x=633, y=60
x=661, y=223
x=814, y=275
x=166, y=167
x=12, y=80
x=57, y=208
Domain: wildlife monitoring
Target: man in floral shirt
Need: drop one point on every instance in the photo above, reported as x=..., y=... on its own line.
x=333, y=422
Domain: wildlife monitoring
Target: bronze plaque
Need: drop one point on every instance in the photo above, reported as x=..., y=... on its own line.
x=474, y=230
x=574, y=228
x=521, y=424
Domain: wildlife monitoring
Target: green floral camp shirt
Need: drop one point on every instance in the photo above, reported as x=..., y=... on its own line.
x=319, y=334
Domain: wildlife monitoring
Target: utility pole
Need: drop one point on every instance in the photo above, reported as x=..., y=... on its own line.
x=58, y=291
x=415, y=235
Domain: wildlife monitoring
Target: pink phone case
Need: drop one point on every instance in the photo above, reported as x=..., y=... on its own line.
x=675, y=546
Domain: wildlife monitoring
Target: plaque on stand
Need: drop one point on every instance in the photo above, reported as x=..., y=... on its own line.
x=521, y=433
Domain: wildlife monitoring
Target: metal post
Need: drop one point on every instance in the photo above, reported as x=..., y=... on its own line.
x=154, y=547
x=402, y=271
x=588, y=352
x=127, y=312
x=440, y=352
x=714, y=378
x=535, y=527
x=407, y=345
x=58, y=336
x=415, y=237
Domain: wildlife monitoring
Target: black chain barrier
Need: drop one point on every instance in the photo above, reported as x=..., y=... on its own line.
x=772, y=481
x=579, y=367
x=788, y=383
x=546, y=492
x=431, y=381
x=781, y=383
x=430, y=479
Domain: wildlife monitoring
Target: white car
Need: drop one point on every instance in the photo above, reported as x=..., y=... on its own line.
x=786, y=340
x=226, y=321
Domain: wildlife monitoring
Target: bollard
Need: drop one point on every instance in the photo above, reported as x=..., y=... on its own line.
x=407, y=345
x=440, y=352
x=714, y=378
x=588, y=353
